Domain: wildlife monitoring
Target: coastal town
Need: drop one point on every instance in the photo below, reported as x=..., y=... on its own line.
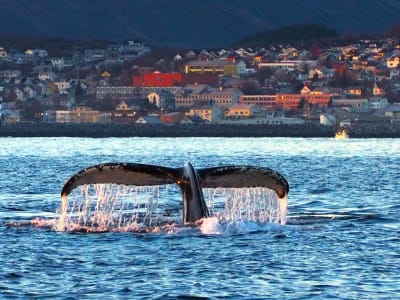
x=338, y=86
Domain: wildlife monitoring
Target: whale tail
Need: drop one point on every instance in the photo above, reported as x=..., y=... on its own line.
x=189, y=180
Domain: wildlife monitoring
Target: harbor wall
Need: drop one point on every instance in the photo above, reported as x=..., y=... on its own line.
x=386, y=130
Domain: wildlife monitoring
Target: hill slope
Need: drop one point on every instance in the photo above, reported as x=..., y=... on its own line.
x=204, y=23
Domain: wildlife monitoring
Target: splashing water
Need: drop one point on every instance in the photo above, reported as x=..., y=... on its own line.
x=257, y=204
x=112, y=207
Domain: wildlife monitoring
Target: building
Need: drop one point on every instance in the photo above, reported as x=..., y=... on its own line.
x=3, y=52
x=62, y=85
x=353, y=91
x=172, y=118
x=317, y=97
x=393, y=62
x=162, y=99
x=353, y=105
x=240, y=111
x=210, y=113
x=289, y=101
x=126, y=92
x=216, y=66
x=157, y=79
x=200, y=95
x=10, y=73
x=378, y=103
x=79, y=114
x=267, y=101
x=123, y=114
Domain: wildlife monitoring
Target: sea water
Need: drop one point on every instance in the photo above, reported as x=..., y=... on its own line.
x=340, y=237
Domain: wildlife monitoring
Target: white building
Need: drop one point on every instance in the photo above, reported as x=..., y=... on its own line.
x=378, y=103
x=3, y=52
x=62, y=85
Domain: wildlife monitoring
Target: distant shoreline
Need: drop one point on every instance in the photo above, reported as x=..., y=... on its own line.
x=193, y=130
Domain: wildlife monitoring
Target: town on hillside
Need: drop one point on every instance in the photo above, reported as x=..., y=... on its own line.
x=280, y=84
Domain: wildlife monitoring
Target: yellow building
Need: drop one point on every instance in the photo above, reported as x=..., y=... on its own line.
x=210, y=113
x=220, y=67
x=242, y=111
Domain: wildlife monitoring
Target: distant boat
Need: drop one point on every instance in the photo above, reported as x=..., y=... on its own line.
x=341, y=134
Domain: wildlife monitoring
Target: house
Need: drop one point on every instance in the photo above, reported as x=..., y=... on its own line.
x=19, y=94
x=149, y=120
x=210, y=113
x=62, y=85
x=9, y=116
x=393, y=62
x=30, y=92
x=36, y=52
x=327, y=119
x=3, y=52
x=46, y=76
x=353, y=91
x=123, y=114
x=57, y=63
x=315, y=73
x=377, y=90
x=172, y=118
x=162, y=99
x=94, y=55
x=240, y=111
x=10, y=74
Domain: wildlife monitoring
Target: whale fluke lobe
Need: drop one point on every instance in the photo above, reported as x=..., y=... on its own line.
x=190, y=181
x=243, y=176
x=122, y=173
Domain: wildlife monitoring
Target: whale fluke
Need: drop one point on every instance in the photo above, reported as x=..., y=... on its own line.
x=190, y=181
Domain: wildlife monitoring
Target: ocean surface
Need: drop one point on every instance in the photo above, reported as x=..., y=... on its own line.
x=340, y=240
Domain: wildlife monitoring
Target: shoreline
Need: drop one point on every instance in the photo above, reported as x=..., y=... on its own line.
x=193, y=130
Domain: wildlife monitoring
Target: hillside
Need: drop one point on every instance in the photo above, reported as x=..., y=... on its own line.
x=183, y=23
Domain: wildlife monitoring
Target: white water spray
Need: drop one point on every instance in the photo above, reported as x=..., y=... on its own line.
x=112, y=207
x=258, y=204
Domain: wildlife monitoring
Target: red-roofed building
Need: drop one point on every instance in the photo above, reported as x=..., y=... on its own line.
x=157, y=80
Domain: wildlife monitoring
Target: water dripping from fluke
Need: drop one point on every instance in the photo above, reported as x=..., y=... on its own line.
x=145, y=198
x=120, y=208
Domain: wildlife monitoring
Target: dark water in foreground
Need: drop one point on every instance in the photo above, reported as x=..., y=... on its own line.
x=341, y=240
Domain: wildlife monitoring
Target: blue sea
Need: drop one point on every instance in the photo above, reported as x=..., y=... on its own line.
x=340, y=240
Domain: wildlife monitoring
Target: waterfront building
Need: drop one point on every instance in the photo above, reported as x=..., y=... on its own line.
x=240, y=111
x=360, y=105
x=209, y=113
x=79, y=114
